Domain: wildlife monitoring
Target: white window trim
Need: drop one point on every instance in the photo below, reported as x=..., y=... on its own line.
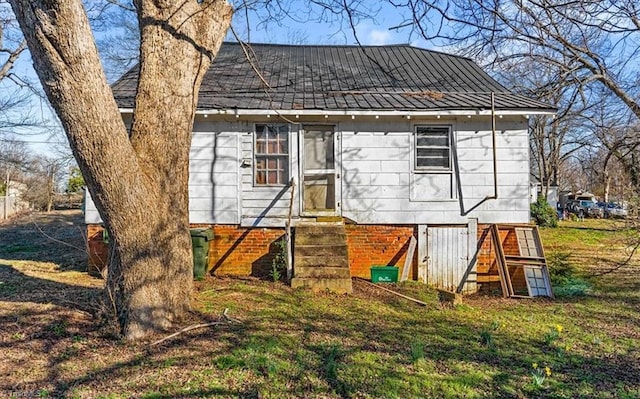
x=255, y=154
x=414, y=148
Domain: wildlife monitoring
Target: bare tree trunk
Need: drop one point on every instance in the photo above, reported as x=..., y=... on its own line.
x=139, y=185
x=607, y=185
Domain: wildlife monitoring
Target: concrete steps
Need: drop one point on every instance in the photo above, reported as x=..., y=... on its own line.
x=320, y=258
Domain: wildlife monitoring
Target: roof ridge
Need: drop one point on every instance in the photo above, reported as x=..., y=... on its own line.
x=395, y=45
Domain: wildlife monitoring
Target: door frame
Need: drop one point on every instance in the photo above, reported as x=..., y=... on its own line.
x=336, y=171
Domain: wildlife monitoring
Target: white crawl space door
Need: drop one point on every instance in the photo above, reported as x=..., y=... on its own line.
x=448, y=257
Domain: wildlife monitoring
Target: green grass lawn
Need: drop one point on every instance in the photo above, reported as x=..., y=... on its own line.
x=296, y=344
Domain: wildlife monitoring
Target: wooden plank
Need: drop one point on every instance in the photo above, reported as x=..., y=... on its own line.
x=473, y=250
x=521, y=296
x=487, y=278
x=392, y=292
x=525, y=258
x=495, y=237
x=409, y=259
x=503, y=270
x=522, y=262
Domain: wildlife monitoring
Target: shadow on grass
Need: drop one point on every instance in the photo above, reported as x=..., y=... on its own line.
x=58, y=237
x=16, y=286
x=297, y=344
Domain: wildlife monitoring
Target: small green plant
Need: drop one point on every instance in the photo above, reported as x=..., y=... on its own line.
x=486, y=335
x=538, y=375
x=543, y=213
x=58, y=329
x=331, y=362
x=78, y=338
x=279, y=263
x=486, y=338
x=417, y=351
x=553, y=334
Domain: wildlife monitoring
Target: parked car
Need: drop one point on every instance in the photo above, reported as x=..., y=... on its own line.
x=585, y=208
x=613, y=210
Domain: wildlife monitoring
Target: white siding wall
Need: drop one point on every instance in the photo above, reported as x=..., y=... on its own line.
x=214, y=172
x=378, y=182
x=379, y=185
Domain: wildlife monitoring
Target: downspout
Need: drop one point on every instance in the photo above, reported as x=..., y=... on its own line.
x=493, y=142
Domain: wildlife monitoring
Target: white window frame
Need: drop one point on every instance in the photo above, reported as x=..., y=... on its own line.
x=416, y=147
x=286, y=157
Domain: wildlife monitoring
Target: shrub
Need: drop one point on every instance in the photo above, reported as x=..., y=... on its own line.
x=543, y=213
x=564, y=278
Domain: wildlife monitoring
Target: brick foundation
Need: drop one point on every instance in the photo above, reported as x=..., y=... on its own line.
x=242, y=251
x=382, y=245
x=98, y=250
x=235, y=250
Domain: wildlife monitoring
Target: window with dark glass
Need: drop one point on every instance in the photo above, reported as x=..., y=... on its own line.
x=433, y=148
x=271, y=155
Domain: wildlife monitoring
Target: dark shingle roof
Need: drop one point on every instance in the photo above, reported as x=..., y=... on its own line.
x=323, y=77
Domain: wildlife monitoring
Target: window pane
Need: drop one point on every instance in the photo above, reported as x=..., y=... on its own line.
x=283, y=147
x=272, y=177
x=432, y=158
x=272, y=163
x=261, y=177
x=433, y=140
x=261, y=147
x=261, y=163
x=433, y=147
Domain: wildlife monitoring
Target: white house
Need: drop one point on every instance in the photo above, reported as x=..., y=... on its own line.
x=387, y=143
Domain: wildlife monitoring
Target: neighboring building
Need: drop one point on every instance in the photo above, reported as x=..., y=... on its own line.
x=388, y=142
x=12, y=203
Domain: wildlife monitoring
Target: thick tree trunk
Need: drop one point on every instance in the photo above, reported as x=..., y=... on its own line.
x=139, y=185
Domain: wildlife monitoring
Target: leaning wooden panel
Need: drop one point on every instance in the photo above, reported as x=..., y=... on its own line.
x=501, y=263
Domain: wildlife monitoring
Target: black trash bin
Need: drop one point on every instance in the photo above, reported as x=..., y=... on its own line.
x=200, y=238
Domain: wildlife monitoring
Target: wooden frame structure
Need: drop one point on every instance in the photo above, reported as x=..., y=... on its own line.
x=528, y=268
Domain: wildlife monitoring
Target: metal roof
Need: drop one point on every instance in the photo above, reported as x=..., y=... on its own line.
x=338, y=78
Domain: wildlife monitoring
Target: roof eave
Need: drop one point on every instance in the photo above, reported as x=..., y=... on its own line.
x=379, y=113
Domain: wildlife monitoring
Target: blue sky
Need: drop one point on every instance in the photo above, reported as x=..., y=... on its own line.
x=370, y=31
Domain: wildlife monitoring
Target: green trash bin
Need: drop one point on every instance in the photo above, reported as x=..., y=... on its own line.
x=200, y=246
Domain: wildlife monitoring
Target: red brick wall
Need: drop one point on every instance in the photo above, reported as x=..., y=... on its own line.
x=243, y=251
x=97, y=248
x=234, y=250
x=378, y=245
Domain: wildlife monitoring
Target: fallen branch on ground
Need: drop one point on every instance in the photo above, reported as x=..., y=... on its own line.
x=419, y=302
x=225, y=319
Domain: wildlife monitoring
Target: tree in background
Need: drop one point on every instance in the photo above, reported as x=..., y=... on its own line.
x=75, y=183
x=590, y=47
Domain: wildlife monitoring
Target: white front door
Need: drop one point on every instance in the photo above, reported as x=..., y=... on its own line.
x=320, y=180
